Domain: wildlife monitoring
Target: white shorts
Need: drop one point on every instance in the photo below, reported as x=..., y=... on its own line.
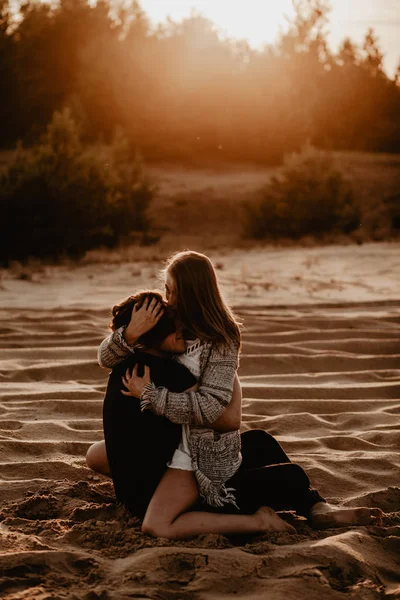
x=181, y=458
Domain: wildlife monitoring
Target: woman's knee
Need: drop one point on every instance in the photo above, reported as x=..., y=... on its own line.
x=96, y=458
x=91, y=457
x=155, y=528
x=149, y=529
x=157, y=525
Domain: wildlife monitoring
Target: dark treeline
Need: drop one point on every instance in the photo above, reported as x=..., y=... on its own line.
x=182, y=92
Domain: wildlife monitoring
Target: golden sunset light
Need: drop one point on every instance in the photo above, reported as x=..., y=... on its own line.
x=199, y=299
x=257, y=21
x=260, y=21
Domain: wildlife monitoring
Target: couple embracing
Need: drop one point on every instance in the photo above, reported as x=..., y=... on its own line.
x=172, y=415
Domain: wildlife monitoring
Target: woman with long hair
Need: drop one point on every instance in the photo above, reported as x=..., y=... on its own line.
x=129, y=455
x=204, y=460
x=206, y=464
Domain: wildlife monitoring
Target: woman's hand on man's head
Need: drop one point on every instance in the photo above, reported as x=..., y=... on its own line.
x=143, y=319
x=135, y=384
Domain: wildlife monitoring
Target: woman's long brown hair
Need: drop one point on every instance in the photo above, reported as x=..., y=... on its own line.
x=200, y=307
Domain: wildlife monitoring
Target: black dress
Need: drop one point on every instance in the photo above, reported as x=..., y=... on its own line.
x=139, y=444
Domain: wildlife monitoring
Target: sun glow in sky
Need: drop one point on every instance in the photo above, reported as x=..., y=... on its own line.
x=260, y=21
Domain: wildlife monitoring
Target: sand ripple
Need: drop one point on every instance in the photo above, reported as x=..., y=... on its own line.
x=324, y=380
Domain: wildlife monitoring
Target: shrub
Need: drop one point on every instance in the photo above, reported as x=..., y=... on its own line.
x=309, y=196
x=58, y=199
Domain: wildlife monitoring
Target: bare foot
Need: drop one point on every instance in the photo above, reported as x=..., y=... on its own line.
x=325, y=515
x=270, y=521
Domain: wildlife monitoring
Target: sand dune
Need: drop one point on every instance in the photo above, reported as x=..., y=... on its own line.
x=325, y=380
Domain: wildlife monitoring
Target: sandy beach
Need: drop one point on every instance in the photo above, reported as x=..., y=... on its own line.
x=320, y=370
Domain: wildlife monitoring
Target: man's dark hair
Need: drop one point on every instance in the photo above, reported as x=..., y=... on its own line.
x=122, y=313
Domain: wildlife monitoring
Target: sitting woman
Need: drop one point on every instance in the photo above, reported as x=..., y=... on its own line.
x=282, y=486
x=129, y=432
x=139, y=444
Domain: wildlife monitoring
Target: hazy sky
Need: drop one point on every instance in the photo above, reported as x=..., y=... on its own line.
x=260, y=20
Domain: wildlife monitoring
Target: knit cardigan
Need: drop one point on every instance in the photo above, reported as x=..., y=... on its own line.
x=215, y=456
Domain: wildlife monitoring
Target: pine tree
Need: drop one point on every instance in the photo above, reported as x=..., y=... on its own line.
x=373, y=57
